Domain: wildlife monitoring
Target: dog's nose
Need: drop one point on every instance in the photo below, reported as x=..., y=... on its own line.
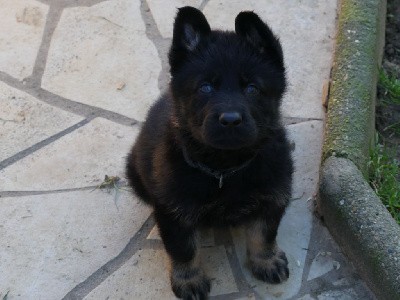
x=230, y=119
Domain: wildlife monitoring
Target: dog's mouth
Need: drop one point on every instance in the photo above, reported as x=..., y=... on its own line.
x=229, y=138
x=228, y=144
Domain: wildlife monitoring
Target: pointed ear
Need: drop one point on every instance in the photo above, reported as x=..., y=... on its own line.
x=256, y=32
x=190, y=28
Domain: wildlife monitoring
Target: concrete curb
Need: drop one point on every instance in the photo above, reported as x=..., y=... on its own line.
x=353, y=213
x=351, y=103
x=361, y=225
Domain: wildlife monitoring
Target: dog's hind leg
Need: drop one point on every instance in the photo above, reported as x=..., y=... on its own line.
x=266, y=260
x=180, y=240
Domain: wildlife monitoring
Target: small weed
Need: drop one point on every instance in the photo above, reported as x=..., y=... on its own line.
x=390, y=102
x=395, y=127
x=112, y=184
x=109, y=182
x=391, y=87
x=384, y=172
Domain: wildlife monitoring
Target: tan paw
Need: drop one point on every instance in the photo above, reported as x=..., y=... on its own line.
x=191, y=284
x=271, y=266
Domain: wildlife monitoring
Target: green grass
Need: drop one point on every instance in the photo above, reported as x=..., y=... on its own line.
x=391, y=96
x=391, y=87
x=384, y=172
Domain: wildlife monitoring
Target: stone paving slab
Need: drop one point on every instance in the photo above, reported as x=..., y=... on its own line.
x=307, y=139
x=164, y=15
x=137, y=280
x=52, y=242
x=22, y=23
x=322, y=264
x=25, y=121
x=101, y=56
x=79, y=159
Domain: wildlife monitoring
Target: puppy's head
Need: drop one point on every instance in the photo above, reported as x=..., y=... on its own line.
x=226, y=86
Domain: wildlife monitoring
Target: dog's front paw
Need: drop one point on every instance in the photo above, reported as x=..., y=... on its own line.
x=271, y=266
x=190, y=284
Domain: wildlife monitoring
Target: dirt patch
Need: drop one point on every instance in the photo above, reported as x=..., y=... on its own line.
x=30, y=16
x=388, y=112
x=392, y=45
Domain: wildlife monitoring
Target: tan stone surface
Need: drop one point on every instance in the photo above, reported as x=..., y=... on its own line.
x=25, y=121
x=100, y=56
x=216, y=266
x=250, y=296
x=321, y=264
x=347, y=294
x=22, y=23
x=307, y=34
x=154, y=234
x=164, y=15
x=306, y=297
x=308, y=138
x=145, y=276
x=50, y=243
x=81, y=158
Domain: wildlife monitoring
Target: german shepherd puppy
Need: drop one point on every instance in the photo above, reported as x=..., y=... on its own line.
x=212, y=150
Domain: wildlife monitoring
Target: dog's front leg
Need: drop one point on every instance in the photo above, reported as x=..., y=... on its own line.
x=267, y=261
x=188, y=280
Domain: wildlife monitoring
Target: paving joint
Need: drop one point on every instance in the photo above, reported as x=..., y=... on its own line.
x=161, y=44
x=297, y=120
x=94, y=280
x=235, y=296
x=224, y=237
x=72, y=3
x=4, y=194
x=77, y=108
x=203, y=4
x=53, y=17
x=24, y=153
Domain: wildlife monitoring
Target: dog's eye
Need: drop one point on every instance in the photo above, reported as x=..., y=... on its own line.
x=206, y=88
x=251, y=89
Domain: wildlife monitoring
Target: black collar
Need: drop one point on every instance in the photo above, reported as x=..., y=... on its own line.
x=219, y=174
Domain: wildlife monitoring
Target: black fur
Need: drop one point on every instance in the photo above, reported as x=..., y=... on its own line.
x=222, y=109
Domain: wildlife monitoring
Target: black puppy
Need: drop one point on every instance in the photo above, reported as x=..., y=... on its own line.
x=213, y=151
